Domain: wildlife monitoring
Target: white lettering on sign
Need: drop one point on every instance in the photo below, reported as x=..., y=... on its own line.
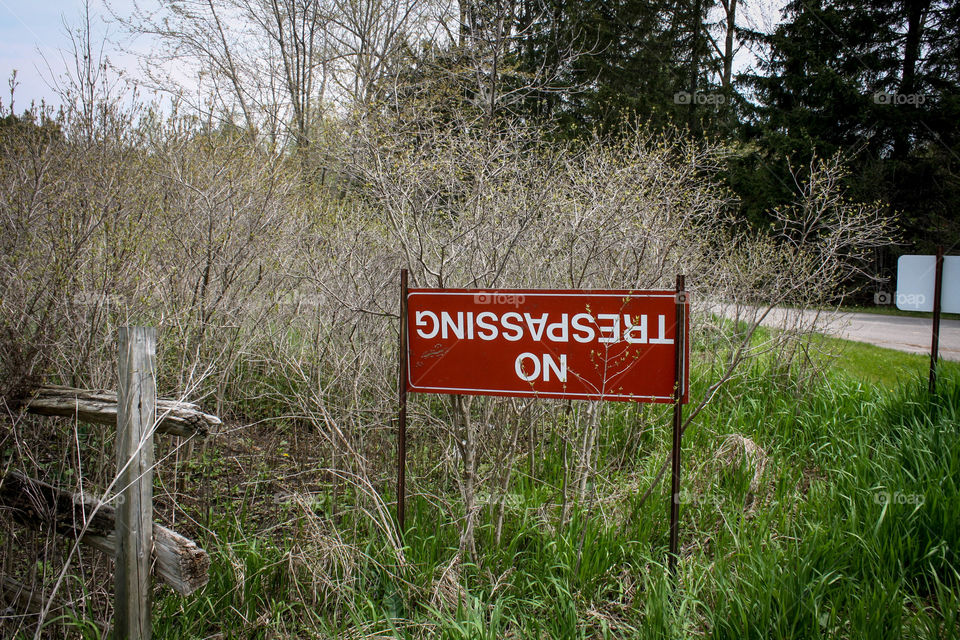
x=606, y=328
x=558, y=331
x=549, y=364
x=516, y=331
x=447, y=323
x=612, y=332
x=484, y=323
x=592, y=344
x=421, y=321
x=663, y=332
x=586, y=333
x=628, y=332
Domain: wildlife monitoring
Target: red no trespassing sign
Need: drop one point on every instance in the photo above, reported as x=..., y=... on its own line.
x=591, y=345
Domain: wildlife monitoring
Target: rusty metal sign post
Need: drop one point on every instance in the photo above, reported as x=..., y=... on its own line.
x=679, y=391
x=402, y=418
x=935, y=341
x=601, y=344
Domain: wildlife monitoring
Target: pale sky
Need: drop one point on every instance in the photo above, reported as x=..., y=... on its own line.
x=34, y=40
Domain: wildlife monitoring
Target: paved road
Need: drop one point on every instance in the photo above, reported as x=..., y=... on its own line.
x=893, y=332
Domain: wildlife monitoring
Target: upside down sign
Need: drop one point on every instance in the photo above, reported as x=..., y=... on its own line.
x=595, y=344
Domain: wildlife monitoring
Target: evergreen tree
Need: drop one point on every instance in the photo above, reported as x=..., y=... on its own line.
x=875, y=81
x=619, y=61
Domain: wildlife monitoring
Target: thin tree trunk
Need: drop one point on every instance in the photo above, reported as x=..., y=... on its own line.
x=586, y=453
x=531, y=448
x=916, y=14
x=468, y=451
x=505, y=477
x=231, y=69
x=728, y=51
x=564, y=498
x=696, y=27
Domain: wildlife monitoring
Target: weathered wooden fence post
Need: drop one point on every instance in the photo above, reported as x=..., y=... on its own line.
x=136, y=414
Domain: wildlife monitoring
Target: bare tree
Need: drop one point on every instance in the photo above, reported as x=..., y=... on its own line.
x=280, y=62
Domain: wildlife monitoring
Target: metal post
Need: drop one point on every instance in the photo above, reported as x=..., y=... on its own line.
x=935, y=344
x=677, y=421
x=402, y=419
x=136, y=414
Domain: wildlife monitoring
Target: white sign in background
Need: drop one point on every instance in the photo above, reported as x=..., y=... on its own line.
x=915, y=283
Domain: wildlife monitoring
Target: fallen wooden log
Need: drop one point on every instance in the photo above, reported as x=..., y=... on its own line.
x=100, y=407
x=25, y=600
x=177, y=560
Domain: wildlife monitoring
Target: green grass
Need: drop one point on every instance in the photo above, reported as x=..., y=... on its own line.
x=886, y=368
x=850, y=531
x=872, y=551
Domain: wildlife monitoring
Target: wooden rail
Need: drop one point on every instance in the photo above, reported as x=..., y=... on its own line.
x=100, y=407
x=178, y=561
x=127, y=532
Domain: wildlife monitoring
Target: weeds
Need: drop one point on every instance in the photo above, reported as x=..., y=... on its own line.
x=275, y=304
x=847, y=530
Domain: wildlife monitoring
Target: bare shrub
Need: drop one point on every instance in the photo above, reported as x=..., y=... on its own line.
x=276, y=299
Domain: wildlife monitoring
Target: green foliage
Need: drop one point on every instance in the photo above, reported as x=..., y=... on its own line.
x=251, y=593
x=275, y=303
x=849, y=532
x=874, y=81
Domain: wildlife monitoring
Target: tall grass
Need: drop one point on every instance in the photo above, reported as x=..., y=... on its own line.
x=274, y=295
x=850, y=531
